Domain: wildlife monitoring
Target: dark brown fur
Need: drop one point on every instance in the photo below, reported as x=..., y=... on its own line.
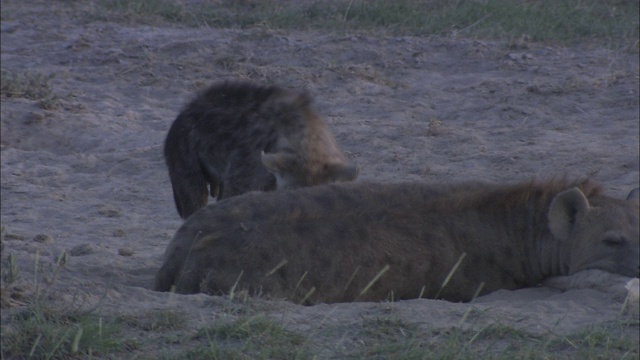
x=237, y=137
x=325, y=244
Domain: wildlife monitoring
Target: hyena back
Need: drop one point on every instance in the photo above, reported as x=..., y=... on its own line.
x=373, y=242
x=237, y=137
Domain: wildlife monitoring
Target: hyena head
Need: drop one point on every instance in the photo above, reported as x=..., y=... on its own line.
x=602, y=232
x=306, y=152
x=292, y=171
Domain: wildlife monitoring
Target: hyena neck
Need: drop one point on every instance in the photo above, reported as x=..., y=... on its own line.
x=546, y=256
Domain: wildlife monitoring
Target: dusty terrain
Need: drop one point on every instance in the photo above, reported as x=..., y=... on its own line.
x=82, y=170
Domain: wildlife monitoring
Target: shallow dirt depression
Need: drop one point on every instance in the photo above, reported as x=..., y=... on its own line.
x=86, y=105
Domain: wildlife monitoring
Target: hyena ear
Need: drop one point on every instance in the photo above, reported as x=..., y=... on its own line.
x=342, y=172
x=279, y=163
x=563, y=211
x=634, y=195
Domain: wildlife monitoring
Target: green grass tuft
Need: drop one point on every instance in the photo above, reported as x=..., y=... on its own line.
x=156, y=320
x=249, y=337
x=33, y=86
x=562, y=21
x=42, y=333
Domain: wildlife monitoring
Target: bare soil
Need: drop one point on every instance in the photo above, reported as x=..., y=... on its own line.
x=84, y=173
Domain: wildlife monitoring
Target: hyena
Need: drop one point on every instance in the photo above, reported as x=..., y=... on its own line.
x=237, y=137
x=371, y=242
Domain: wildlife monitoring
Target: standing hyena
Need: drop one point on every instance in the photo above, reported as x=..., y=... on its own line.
x=371, y=242
x=237, y=137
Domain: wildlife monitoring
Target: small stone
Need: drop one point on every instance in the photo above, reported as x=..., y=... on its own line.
x=80, y=250
x=43, y=238
x=109, y=212
x=13, y=237
x=125, y=252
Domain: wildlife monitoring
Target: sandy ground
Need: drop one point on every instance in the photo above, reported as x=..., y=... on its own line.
x=86, y=175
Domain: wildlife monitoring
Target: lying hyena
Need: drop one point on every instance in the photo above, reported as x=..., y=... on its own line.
x=371, y=242
x=237, y=137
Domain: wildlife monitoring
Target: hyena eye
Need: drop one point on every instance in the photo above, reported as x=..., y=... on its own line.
x=614, y=241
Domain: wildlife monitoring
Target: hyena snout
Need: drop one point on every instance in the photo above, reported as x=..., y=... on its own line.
x=292, y=171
